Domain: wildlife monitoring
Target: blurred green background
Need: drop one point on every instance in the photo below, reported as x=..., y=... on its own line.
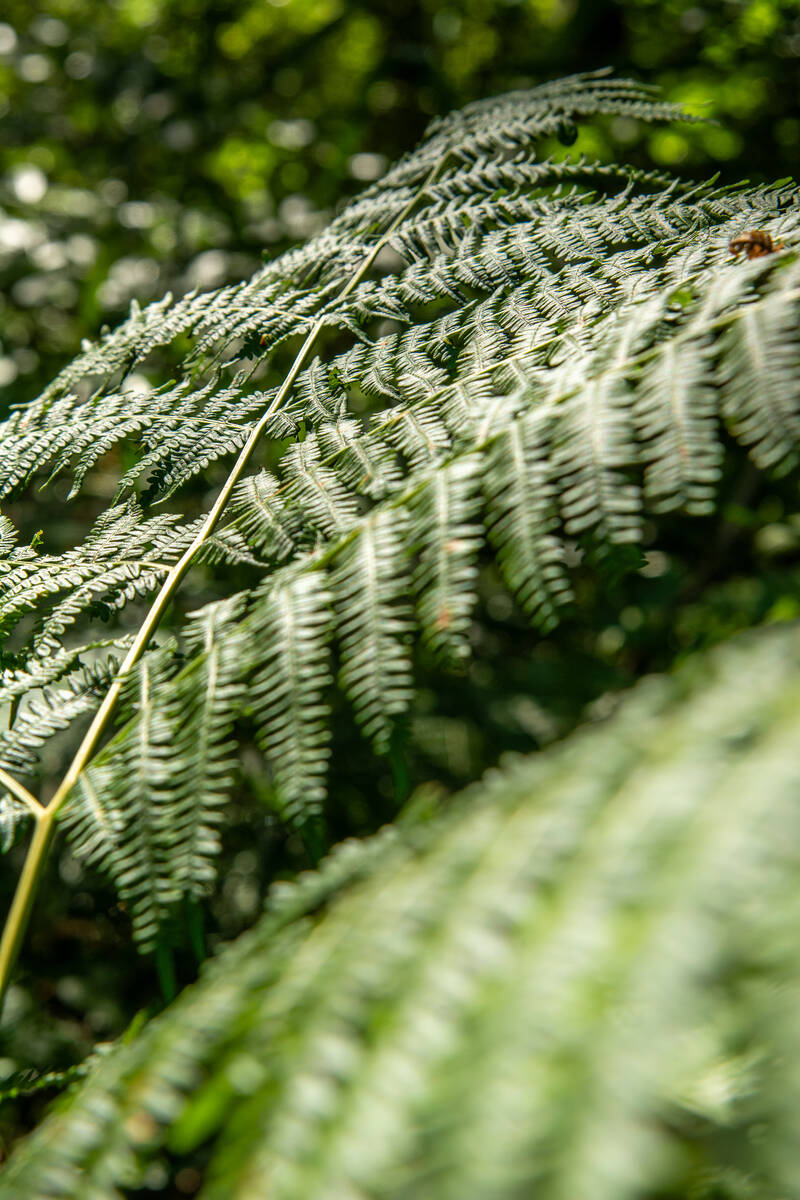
x=167, y=144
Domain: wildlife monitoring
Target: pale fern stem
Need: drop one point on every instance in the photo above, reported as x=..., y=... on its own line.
x=21, y=792
x=17, y=919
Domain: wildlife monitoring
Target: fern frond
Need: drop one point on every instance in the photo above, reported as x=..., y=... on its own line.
x=201, y=706
x=148, y=810
x=66, y=429
x=367, y=470
x=444, y=528
x=554, y=350
x=676, y=411
x=118, y=816
x=562, y=447
x=261, y=513
x=325, y=503
x=183, y=428
x=760, y=362
x=543, y=990
x=522, y=518
x=52, y=710
x=124, y=556
x=551, y=443
x=420, y=434
x=370, y=586
x=38, y=673
x=290, y=630
x=505, y=124
x=595, y=438
x=13, y=819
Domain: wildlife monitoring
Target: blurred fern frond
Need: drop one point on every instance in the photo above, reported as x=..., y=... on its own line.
x=580, y=980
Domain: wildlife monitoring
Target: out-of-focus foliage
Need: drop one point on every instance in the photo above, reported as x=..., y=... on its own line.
x=151, y=146
x=582, y=981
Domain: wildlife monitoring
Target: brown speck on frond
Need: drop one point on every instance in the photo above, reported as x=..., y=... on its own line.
x=755, y=243
x=444, y=619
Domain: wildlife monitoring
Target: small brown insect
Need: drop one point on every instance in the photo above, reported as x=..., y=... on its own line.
x=755, y=243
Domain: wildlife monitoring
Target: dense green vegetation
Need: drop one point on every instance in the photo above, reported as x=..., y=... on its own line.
x=515, y=431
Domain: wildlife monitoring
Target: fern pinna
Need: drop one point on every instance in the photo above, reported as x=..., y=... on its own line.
x=485, y=355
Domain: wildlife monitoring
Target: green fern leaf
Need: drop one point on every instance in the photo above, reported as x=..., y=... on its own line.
x=373, y=623
x=443, y=526
x=290, y=626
